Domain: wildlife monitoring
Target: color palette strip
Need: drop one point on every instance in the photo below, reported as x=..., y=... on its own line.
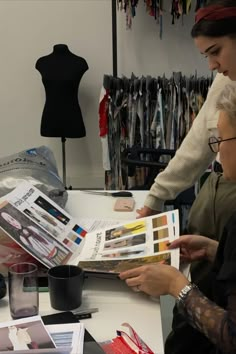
x=79, y=230
x=75, y=238
x=159, y=221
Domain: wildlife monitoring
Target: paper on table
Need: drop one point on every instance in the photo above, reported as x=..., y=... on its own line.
x=68, y=338
x=25, y=334
x=68, y=335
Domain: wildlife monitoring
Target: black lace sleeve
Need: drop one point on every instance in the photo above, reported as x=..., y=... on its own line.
x=217, y=324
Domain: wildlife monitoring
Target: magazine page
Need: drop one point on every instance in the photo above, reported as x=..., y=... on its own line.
x=40, y=226
x=132, y=244
x=68, y=335
x=25, y=334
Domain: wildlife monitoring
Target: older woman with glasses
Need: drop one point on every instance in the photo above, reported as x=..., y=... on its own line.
x=215, y=318
x=214, y=143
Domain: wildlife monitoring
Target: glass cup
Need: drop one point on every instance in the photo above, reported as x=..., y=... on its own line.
x=23, y=290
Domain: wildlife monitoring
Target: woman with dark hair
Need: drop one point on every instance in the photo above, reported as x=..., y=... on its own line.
x=215, y=36
x=212, y=317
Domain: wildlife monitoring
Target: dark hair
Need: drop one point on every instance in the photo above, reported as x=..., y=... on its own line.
x=219, y=28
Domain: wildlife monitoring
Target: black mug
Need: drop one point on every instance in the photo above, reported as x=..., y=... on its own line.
x=65, y=283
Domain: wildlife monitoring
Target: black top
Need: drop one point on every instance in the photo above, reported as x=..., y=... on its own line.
x=225, y=263
x=211, y=327
x=217, y=319
x=61, y=73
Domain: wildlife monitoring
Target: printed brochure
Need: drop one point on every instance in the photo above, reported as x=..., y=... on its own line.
x=39, y=226
x=132, y=244
x=53, y=237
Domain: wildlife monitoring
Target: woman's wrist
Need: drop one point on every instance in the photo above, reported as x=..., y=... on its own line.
x=211, y=250
x=178, y=282
x=181, y=298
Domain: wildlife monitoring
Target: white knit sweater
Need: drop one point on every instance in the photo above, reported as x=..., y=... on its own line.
x=193, y=157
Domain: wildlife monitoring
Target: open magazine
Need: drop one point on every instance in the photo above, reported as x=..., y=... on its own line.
x=53, y=237
x=132, y=244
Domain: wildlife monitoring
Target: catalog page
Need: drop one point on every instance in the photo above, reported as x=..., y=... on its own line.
x=132, y=244
x=40, y=226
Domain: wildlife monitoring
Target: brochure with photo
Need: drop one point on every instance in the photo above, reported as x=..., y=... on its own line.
x=25, y=334
x=132, y=244
x=53, y=237
x=39, y=226
x=30, y=335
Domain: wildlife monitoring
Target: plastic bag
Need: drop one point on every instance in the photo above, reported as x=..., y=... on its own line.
x=37, y=166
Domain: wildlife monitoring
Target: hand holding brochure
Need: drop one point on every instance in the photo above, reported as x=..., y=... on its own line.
x=53, y=237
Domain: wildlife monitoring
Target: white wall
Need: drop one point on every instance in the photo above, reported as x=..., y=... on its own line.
x=142, y=51
x=30, y=28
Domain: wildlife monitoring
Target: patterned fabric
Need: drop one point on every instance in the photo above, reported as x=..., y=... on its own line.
x=217, y=324
x=146, y=112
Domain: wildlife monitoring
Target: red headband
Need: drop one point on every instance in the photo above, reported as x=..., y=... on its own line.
x=215, y=12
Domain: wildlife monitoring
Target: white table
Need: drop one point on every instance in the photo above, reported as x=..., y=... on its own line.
x=116, y=302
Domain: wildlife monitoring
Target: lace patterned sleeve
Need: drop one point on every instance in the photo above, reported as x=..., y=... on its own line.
x=217, y=324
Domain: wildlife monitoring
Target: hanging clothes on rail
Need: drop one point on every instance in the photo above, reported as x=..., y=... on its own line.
x=156, y=9
x=146, y=112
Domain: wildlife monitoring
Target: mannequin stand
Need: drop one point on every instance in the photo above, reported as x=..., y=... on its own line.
x=63, y=142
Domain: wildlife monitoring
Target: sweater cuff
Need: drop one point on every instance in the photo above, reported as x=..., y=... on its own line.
x=154, y=203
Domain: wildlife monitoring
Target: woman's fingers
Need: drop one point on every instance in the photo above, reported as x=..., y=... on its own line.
x=131, y=273
x=140, y=213
x=133, y=281
x=145, y=211
x=180, y=242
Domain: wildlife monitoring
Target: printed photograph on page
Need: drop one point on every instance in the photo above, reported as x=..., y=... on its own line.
x=24, y=334
x=48, y=216
x=31, y=237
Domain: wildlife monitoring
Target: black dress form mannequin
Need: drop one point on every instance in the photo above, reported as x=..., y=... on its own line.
x=61, y=73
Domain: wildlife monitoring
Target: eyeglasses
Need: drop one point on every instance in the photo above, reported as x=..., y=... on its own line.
x=214, y=143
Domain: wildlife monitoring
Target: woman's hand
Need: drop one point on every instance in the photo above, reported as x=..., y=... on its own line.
x=155, y=279
x=146, y=211
x=195, y=247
